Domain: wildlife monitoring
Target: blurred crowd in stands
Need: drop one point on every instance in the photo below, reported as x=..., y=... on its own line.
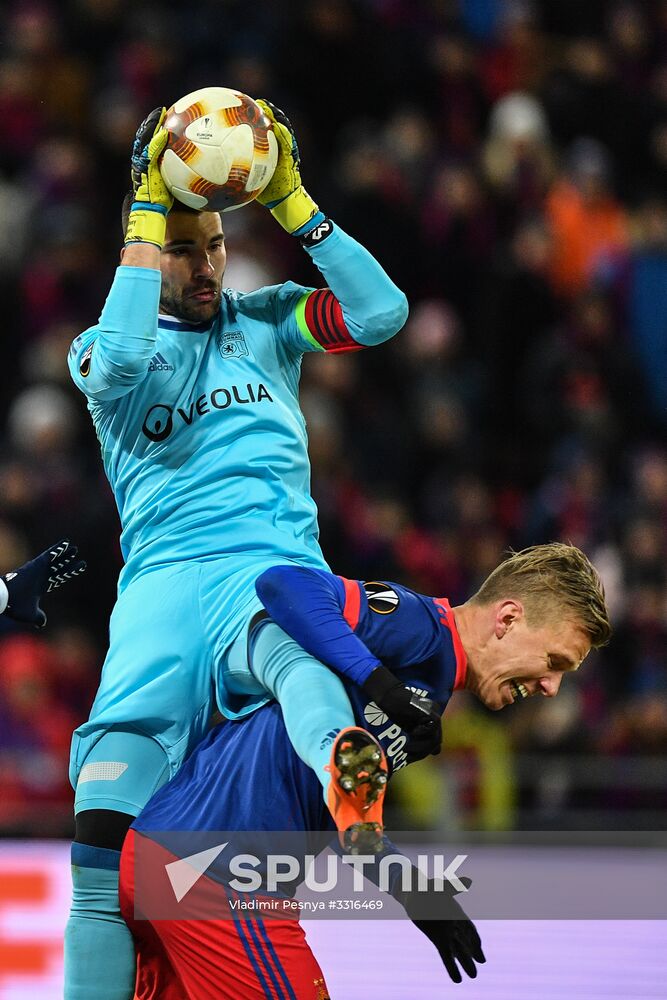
x=507, y=163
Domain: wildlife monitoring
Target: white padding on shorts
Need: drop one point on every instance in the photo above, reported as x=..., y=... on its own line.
x=102, y=770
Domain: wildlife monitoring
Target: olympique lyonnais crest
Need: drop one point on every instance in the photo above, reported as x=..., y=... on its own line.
x=231, y=344
x=381, y=598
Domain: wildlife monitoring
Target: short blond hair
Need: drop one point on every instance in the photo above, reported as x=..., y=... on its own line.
x=553, y=581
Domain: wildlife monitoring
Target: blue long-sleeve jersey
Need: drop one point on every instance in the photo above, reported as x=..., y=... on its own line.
x=355, y=627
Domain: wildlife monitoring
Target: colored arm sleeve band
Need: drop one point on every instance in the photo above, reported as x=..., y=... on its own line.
x=4, y=596
x=309, y=604
x=320, y=319
x=373, y=309
x=115, y=358
x=316, y=230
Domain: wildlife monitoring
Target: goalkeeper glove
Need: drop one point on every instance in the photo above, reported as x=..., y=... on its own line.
x=402, y=705
x=284, y=196
x=453, y=933
x=152, y=199
x=28, y=584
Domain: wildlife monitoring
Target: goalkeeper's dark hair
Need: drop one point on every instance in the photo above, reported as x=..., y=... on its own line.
x=178, y=206
x=554, y=582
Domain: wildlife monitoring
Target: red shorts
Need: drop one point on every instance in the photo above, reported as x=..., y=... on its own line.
x=227, y=959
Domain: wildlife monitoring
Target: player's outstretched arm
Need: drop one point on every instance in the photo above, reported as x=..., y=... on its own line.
x=109, y=360
x=361, y=306
x=314, y=608
x=22, y=590
x=447, y=924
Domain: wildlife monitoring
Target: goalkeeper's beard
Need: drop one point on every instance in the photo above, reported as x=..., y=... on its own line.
x=179, y=302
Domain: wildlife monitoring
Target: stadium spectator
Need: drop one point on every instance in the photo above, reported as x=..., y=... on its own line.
x=587, y=221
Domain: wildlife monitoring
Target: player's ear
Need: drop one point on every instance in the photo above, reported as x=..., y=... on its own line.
x=507, y=614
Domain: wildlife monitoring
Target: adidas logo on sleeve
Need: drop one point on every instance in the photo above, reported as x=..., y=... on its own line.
x=159, y=364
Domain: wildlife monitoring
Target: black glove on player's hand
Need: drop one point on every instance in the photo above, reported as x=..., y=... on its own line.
x=452, y=932
x=402, y=705
x=27, y=585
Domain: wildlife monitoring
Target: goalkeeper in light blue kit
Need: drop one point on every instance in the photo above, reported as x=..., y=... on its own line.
x=194, y=395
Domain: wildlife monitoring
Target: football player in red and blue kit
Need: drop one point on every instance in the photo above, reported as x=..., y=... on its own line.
x=247, y=776
x=399, y=654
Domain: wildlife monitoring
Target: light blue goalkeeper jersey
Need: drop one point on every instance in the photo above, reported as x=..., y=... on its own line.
x=202, y=438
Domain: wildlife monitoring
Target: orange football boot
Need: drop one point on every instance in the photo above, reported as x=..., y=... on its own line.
x=358, y=770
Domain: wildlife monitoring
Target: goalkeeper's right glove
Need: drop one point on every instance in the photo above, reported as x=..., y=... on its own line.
x=152, y=198
x=285, y=196
x=453, y=933
x=28, y=584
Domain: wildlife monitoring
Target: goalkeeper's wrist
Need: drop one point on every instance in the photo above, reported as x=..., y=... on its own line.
x=4, y=596
x=315, y=232
x=147, y=224
x=297, y=213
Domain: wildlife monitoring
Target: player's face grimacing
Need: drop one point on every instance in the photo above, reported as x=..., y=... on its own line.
x=522, y=660
x=192, y=264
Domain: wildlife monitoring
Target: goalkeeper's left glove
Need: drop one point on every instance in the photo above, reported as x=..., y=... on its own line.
x=152, y=199
x=453, y=933
x=28, y=584
x=285, y=196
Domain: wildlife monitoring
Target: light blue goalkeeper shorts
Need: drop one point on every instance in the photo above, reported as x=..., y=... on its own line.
x=175, y=648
